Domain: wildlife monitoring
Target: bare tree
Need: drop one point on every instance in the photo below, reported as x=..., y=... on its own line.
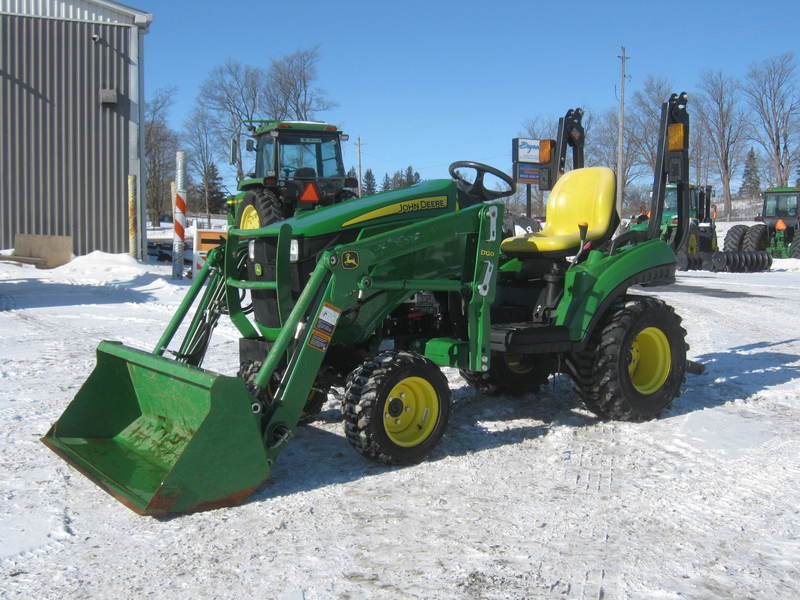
x=645, y=117
x=160, y=147
x=771, y=92
x=601, y=148
x=290, y=93
x=700, y=152
x=720, y=123
x=233, y=95
x=199, y=137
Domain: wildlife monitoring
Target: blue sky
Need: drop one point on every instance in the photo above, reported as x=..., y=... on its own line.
x=428, y=83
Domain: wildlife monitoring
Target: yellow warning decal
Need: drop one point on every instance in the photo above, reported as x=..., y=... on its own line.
x=401, y=207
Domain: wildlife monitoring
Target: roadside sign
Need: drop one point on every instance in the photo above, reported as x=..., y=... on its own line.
x=526, y=173
x=525, y=150
x=205, y=240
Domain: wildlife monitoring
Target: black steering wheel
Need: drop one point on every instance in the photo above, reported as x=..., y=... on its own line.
x=476, y=189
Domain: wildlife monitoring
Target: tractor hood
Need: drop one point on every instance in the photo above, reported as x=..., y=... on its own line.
x=421, y=201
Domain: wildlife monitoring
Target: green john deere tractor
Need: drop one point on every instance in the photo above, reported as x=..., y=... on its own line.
x=298, y=167
x=777, y=233
x=376, y=295
x=701, y=241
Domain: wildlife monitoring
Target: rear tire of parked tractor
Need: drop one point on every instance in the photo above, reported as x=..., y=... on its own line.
x=396, y=407
x=756, y=238
x=259, y=208
x=512, y=374
x=314, y=402
x=733, y=239
x=634, y=363
x=794, y=251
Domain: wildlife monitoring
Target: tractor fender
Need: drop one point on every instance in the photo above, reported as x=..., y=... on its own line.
x=592, y=286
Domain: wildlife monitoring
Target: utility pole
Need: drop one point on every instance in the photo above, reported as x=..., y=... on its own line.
x=621, y=132
x=358, y=163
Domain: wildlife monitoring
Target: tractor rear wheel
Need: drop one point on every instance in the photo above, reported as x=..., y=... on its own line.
x=512, y=374
x=259, y=208
x=795, y=248
x=396, y=407
x=755, y=238
x=634, y=363
x=733, y=239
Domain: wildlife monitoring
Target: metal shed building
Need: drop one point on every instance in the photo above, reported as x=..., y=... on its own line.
x=71, y=107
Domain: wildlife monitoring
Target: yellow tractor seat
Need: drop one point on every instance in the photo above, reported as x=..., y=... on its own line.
x=583, y=195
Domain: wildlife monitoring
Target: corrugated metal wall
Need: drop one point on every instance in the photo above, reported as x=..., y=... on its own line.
x=79, y=10
x=63, y=154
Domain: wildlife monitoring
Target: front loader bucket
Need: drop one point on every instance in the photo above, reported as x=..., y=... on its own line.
x=160, y=436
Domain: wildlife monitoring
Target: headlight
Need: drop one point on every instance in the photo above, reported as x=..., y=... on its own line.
x=294, y=251
x=251, y=249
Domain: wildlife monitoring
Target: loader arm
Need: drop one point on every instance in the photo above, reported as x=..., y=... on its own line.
x=345, y=276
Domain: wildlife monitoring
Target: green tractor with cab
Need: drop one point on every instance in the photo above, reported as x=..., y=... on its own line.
x=701, y=241
x=375, y=295
x=298, y=167
x=777, y=233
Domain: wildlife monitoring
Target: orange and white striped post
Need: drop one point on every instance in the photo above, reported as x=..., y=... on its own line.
x=179, y=216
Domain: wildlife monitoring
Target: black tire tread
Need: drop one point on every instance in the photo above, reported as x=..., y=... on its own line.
x=361, y=396
x=733, y=239
x=267, y=204
x=313, y=406
x=794, y=251
x=496, y=381
x=755, y=238
x=593, y=371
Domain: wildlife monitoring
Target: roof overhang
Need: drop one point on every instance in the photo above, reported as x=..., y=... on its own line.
x=140, y=18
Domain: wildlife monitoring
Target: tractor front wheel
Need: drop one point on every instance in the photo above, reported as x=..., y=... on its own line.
x=634, y=363
x=396, y=407
x=512, y=374
x=316, y=398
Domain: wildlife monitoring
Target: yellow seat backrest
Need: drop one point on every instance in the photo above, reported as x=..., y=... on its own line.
x=582, y=195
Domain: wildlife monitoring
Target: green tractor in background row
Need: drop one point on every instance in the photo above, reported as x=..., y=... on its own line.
x=298, y=167
x=701, y=241
x=374, y=295
x=777, y=233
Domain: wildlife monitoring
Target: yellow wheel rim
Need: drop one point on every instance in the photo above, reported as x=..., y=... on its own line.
x=692, y=244
x=411, y=412
x=651, y=360
x=249, y=218
x=518, y=363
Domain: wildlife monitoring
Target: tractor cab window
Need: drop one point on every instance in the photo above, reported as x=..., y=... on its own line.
x=671, y=200
x=265, y=156
x=780, y=205
x=318, y=155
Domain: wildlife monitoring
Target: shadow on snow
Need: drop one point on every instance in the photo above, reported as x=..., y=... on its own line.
x=23, y=293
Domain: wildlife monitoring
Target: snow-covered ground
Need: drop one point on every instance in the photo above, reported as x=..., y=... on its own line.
x=524, y=498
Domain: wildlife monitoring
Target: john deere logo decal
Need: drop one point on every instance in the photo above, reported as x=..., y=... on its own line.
x=350, y=259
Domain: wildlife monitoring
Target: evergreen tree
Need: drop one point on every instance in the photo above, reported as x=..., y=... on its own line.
x=409, y=176
x=369, y=185
x=216, y=191
x=211, y=181
x=351, y=172
x=751, y=182
x=387, y=183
